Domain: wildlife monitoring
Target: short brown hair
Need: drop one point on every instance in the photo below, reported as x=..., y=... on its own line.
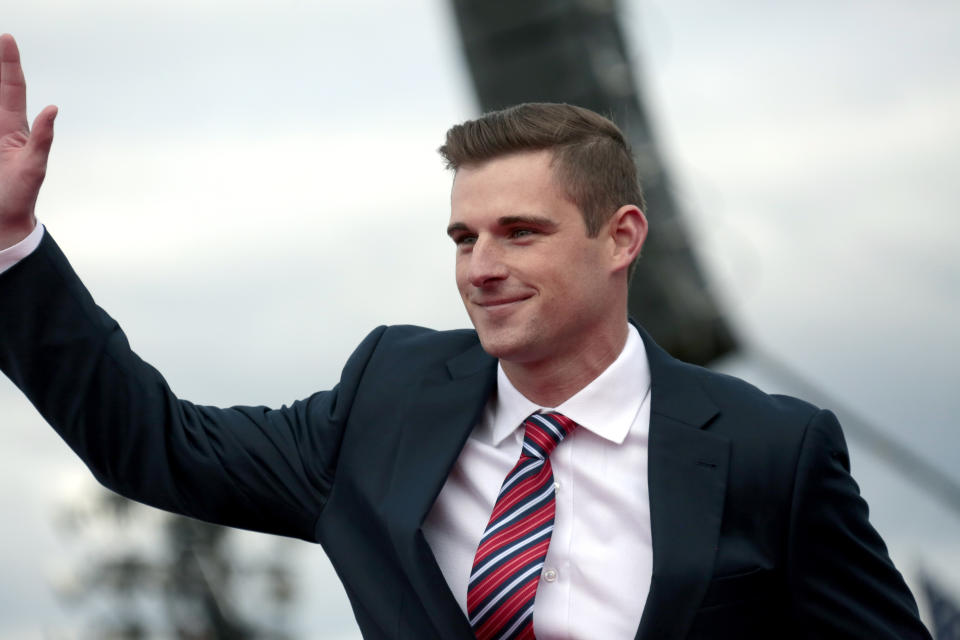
x=592, y=159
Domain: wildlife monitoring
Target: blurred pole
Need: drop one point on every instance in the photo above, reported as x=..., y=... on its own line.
x=573, y=51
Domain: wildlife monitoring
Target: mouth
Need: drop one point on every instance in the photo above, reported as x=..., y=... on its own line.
x=502, y=304
x=493, y=303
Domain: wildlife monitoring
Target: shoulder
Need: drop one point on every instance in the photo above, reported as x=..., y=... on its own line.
x=684, y=389
x=410, y=340
x=683, y=382
x=755, y=421
x=408, y=336
x=739, y=397
x=412, y=347
x=393, y=360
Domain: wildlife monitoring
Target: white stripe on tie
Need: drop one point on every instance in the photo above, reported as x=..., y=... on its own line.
x=535, y=463
x=523, y=617
x=491, y=561
x=505, y=589
x=513, y=516
x=549, y=425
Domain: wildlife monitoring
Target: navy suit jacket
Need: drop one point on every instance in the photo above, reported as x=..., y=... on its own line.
x=759, y=530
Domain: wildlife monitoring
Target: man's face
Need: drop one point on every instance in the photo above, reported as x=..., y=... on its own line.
x=535, y=286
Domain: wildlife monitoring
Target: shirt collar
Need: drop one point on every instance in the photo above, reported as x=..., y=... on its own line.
x=607, y=406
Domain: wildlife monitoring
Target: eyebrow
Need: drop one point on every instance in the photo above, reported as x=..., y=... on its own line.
x=508, y=221
x=456, y=227
x=534, y=221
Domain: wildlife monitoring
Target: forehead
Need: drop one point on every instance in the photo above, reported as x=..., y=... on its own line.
x=518, y=180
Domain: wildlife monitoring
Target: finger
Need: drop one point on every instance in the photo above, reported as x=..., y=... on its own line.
x=41, y=134
x=13, y=89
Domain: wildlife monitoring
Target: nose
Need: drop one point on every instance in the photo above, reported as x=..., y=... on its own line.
x=485, y=262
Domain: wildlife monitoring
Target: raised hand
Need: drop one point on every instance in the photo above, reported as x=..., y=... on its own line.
x=23, y=151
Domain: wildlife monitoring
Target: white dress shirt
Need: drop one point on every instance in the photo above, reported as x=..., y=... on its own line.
x=12, y=255
x=600, y=561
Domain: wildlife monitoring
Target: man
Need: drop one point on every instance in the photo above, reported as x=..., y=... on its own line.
x=552, y=472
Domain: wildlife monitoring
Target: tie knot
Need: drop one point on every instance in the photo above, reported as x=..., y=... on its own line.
x=544, y=431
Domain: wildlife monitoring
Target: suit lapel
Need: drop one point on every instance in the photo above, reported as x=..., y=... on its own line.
x=436, y=424
x=687, y=483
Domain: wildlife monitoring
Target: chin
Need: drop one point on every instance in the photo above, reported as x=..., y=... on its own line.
x=494, y=343
x=506, y=347
x=495, y=348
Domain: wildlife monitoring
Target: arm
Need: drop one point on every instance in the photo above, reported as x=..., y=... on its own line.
x=842, y=580
x=250, y=467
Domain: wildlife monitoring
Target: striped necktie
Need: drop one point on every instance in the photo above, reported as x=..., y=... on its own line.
x=506, y=569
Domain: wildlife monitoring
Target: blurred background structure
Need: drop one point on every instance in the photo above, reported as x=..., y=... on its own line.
x=148, y=574
x=800, y=164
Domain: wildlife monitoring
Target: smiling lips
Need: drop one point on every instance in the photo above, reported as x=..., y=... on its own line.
x=499, y=303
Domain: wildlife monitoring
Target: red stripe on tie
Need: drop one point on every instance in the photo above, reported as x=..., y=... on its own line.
x=568, y=424
x=493, y=626
x=526, y=632
x=501, y=576
x=522, y=490
x=509, y=535
x=540, y=436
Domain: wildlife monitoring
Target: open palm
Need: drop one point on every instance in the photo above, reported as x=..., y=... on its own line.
x=23, y=151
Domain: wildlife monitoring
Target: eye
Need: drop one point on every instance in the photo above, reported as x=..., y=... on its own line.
x=464, y=240
x=521, y=232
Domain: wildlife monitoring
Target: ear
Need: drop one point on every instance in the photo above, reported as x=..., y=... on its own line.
x=628, y=230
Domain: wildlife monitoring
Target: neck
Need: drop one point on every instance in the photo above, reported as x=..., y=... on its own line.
x=551, y=381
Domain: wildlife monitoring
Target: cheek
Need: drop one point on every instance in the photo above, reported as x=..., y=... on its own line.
x=464, y=287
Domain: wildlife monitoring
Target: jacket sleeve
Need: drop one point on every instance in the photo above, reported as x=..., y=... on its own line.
x=250, y=467
x=842, y=581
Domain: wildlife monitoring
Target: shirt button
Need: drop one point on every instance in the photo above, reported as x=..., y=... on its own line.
x=556, y=487
x=550, y=575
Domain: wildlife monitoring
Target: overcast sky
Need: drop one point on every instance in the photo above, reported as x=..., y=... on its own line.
x=250, y=187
